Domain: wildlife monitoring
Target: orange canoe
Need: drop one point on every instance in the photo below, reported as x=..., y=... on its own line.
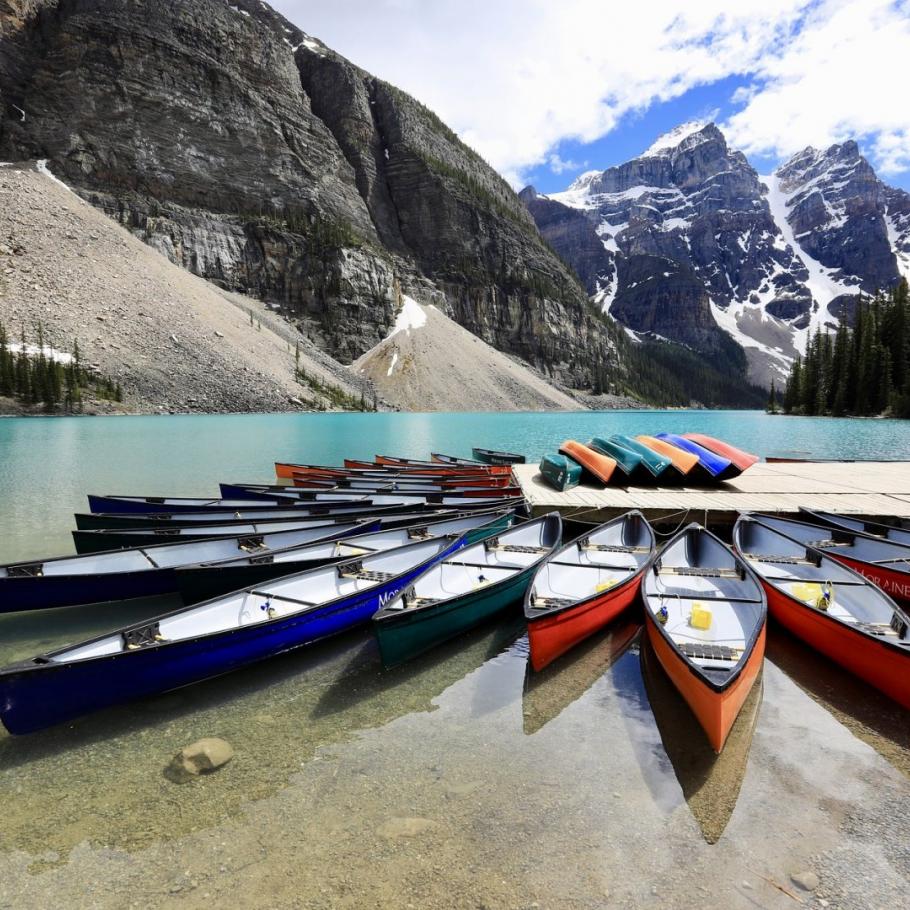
x=684, y=462
x=599, y=465
x=741, y=459
x=705, y=616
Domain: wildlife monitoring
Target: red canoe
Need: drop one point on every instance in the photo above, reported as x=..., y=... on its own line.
x=600, y=466
x=741, y=459
x=830, y=607
x=585, y=585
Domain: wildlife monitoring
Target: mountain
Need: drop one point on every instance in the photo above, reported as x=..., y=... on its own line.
x=256, y=157
x=687, y=242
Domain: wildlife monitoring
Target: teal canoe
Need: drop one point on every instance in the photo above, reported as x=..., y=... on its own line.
x=482, y=581
x=560, y=472
x=659, y=465
x=628, y=462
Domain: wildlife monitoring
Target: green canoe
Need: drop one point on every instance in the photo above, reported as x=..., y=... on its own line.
x=659, y=465
x=471, y=586
x=629, y=462
x=560, y=472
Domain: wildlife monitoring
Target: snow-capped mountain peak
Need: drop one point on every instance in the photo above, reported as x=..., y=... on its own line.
x=672, y=139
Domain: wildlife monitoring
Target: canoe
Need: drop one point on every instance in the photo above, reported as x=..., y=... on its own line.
x=717, y=466
x=211, y=578
x=130, y=531
x=439, y=458
x=464, y=590
x=457, y=494
x=69, y=581
x=705, y=616
x=884, y=563
x=397, y=482
x=659, y=466
x=599, y=466
x=894, y=533
x=560, y=472
x=369, y=469
x=585, y=585
x=830, y=607
x=410, y=463
x=741, y=459
x=206, y=640
x=491, y=456
x=630, y=468
x=159, y=504
x=686, y=463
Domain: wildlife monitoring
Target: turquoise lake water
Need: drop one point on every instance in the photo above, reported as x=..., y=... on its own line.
x=47, y=465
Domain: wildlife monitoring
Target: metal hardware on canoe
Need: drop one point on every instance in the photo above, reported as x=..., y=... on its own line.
x=709, y=652
x=133, y=639
x=698, y=572
x=26, y=570
x=419, y=533
x=249, y=544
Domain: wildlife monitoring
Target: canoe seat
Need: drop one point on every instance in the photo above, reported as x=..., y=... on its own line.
x=516, y=548
x=165, y=532
x=709, y=652
x=415, y=601
x=698, y=571
x=784, y=560
x=884, y=629
x=419, y=533
x=367, y=574
x=610, y=548
x=250, y=544
x=549, y=603
x=262, y=559
x=134, y=639
x=26, y=570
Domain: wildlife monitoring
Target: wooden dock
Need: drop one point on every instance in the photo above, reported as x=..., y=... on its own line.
x=868, y=489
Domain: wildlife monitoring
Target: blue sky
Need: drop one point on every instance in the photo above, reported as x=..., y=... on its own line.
x=532, y=83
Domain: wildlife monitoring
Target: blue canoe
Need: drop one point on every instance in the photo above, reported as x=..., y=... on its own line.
x=101, y=577
x=209, y=639
x=161, y=504
x=717, y=466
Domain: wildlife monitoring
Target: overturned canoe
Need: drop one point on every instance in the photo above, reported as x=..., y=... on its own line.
x=741, y=459
x=884, y=563
x=686, y=463
x=601, y=467
x=717, y=466
x=211, y=578
x=705, y=616
x=658, y=465
x=830, y=607
x=464, y=589
x=560, y=472
x=209, y=639
x=68, y=581
x=629, y=464
x=585, y=585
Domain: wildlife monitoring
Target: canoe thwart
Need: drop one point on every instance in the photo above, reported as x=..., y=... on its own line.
x=493, y=544
x=586, y=545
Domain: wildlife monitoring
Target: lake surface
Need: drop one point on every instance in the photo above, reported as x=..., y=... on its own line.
x=460, y=780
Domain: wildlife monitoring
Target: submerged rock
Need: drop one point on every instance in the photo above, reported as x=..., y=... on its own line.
x=201, y=757
x=806, y=880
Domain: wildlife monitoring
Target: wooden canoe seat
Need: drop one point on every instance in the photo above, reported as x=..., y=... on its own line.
x=26, y=570
x=784, y=560
x=516, y=548
x=610, y=548
x=698, y=572
x=367, y=575
x=548, y=603
x=709, y=651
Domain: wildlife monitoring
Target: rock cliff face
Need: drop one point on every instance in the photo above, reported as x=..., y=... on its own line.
x=256, y=157
x=696, y=244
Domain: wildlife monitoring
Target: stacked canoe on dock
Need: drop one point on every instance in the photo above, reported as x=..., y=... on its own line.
x=692, y=459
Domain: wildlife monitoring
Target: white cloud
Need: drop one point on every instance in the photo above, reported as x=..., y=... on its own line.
x=842, y=77
x=516, y=77
x=559, y=165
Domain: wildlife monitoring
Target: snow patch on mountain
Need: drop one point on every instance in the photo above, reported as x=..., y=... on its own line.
x=670, y=140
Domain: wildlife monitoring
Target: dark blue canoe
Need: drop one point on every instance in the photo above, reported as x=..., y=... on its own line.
x=717, y=466
x=161, y=504
x=101, y=577
x=208, y=639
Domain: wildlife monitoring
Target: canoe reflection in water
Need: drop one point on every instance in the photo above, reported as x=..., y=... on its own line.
x=548, y=692
x=710, y=782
